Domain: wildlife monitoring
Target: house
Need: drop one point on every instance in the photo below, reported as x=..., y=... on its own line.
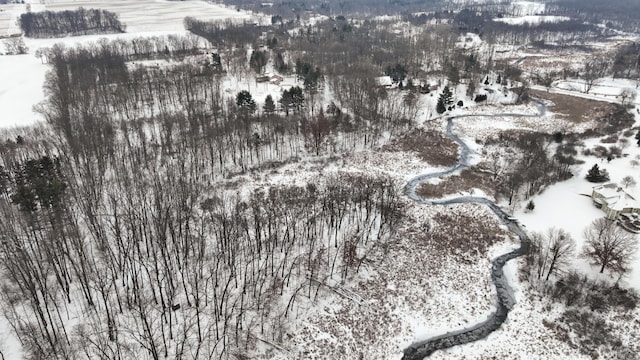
x=276, y=79
x=384, y=81
x=270, y=78
x=614, y=201
x=264, y=78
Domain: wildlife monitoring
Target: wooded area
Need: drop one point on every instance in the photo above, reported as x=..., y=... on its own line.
x=70, y=22
x=118, y=217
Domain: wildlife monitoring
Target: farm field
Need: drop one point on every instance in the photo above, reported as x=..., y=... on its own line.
x=152, y=15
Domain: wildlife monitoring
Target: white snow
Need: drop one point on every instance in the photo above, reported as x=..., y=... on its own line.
x=565, y=206
x=151, y=15
x=522, y=8
x=532, y=19
x=8, y=17
x=22, y=76
x=20, y=89
x=562, y=205
x=605, y=87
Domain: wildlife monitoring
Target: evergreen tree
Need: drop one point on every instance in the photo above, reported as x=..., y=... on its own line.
x=280, y=64
x=292, y=99
x=258, y=60
x=397, y=72
x=245, y=102
x=269, y=106
x=216, y=62
x=558, y=136
x=596, y=175
x=531, y=205
x=445, y=100
x=38, y=184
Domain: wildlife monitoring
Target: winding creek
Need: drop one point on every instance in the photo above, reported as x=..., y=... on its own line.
x=505, y=301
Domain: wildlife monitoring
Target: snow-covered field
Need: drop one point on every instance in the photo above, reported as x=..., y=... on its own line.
x=22, y=76
x=20, y=89
x=523, y=8
x=138, y=16
x=528, y=12
x=532, y=19
x=482, y=127
x=7, y=18
x=151, y=15
x=605, y=87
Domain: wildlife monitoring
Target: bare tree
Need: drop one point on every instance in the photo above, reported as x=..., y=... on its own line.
x=628, y=181
x=627, y=96
x=594, y=69
x=15, y=46
x=609, y=245
x=551, y=252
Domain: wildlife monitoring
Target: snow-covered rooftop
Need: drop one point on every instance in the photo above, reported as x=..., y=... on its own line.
x=616, y=197
x=384, y=81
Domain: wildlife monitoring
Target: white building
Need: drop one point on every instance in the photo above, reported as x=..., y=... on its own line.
x=614, y=201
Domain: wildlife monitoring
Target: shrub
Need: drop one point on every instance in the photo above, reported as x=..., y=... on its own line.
x=480, y=98
x=531, y=205
x=558, y=137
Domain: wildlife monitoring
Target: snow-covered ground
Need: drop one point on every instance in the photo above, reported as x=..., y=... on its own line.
x=138, y=16
x=8, y=17
x=151, y=15
x=22, y=76
x=523, y=8
x=532, y=19
x=565, y=206
x=20, y=89
x=416, y=292
x=605, y=87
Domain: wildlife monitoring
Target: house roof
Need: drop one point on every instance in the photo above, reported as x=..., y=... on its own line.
x=384, y=81
x=616, y=197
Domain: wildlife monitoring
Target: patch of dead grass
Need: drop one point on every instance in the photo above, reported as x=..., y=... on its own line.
x=431, y=146
x=468, y=179
x=573, y=108
x=464, y=232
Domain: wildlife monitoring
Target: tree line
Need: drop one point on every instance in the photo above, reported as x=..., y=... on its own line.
x=70, y=22
x=165, y=47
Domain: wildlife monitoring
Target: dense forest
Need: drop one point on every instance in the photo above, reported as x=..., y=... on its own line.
x=70, y=22
x=117, y=216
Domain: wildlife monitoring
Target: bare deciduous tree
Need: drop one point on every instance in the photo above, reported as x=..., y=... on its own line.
x=609, y=246
x=15, y=46
x=551, y=252
x=627, y=96
x=628, y=181
x=594, y=69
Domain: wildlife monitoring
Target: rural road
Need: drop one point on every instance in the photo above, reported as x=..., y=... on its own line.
x=505, y=301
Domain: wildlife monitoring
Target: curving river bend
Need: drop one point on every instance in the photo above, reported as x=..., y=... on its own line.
x=505, y=301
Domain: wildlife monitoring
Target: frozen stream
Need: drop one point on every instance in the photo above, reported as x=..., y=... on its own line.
x=421, y=349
